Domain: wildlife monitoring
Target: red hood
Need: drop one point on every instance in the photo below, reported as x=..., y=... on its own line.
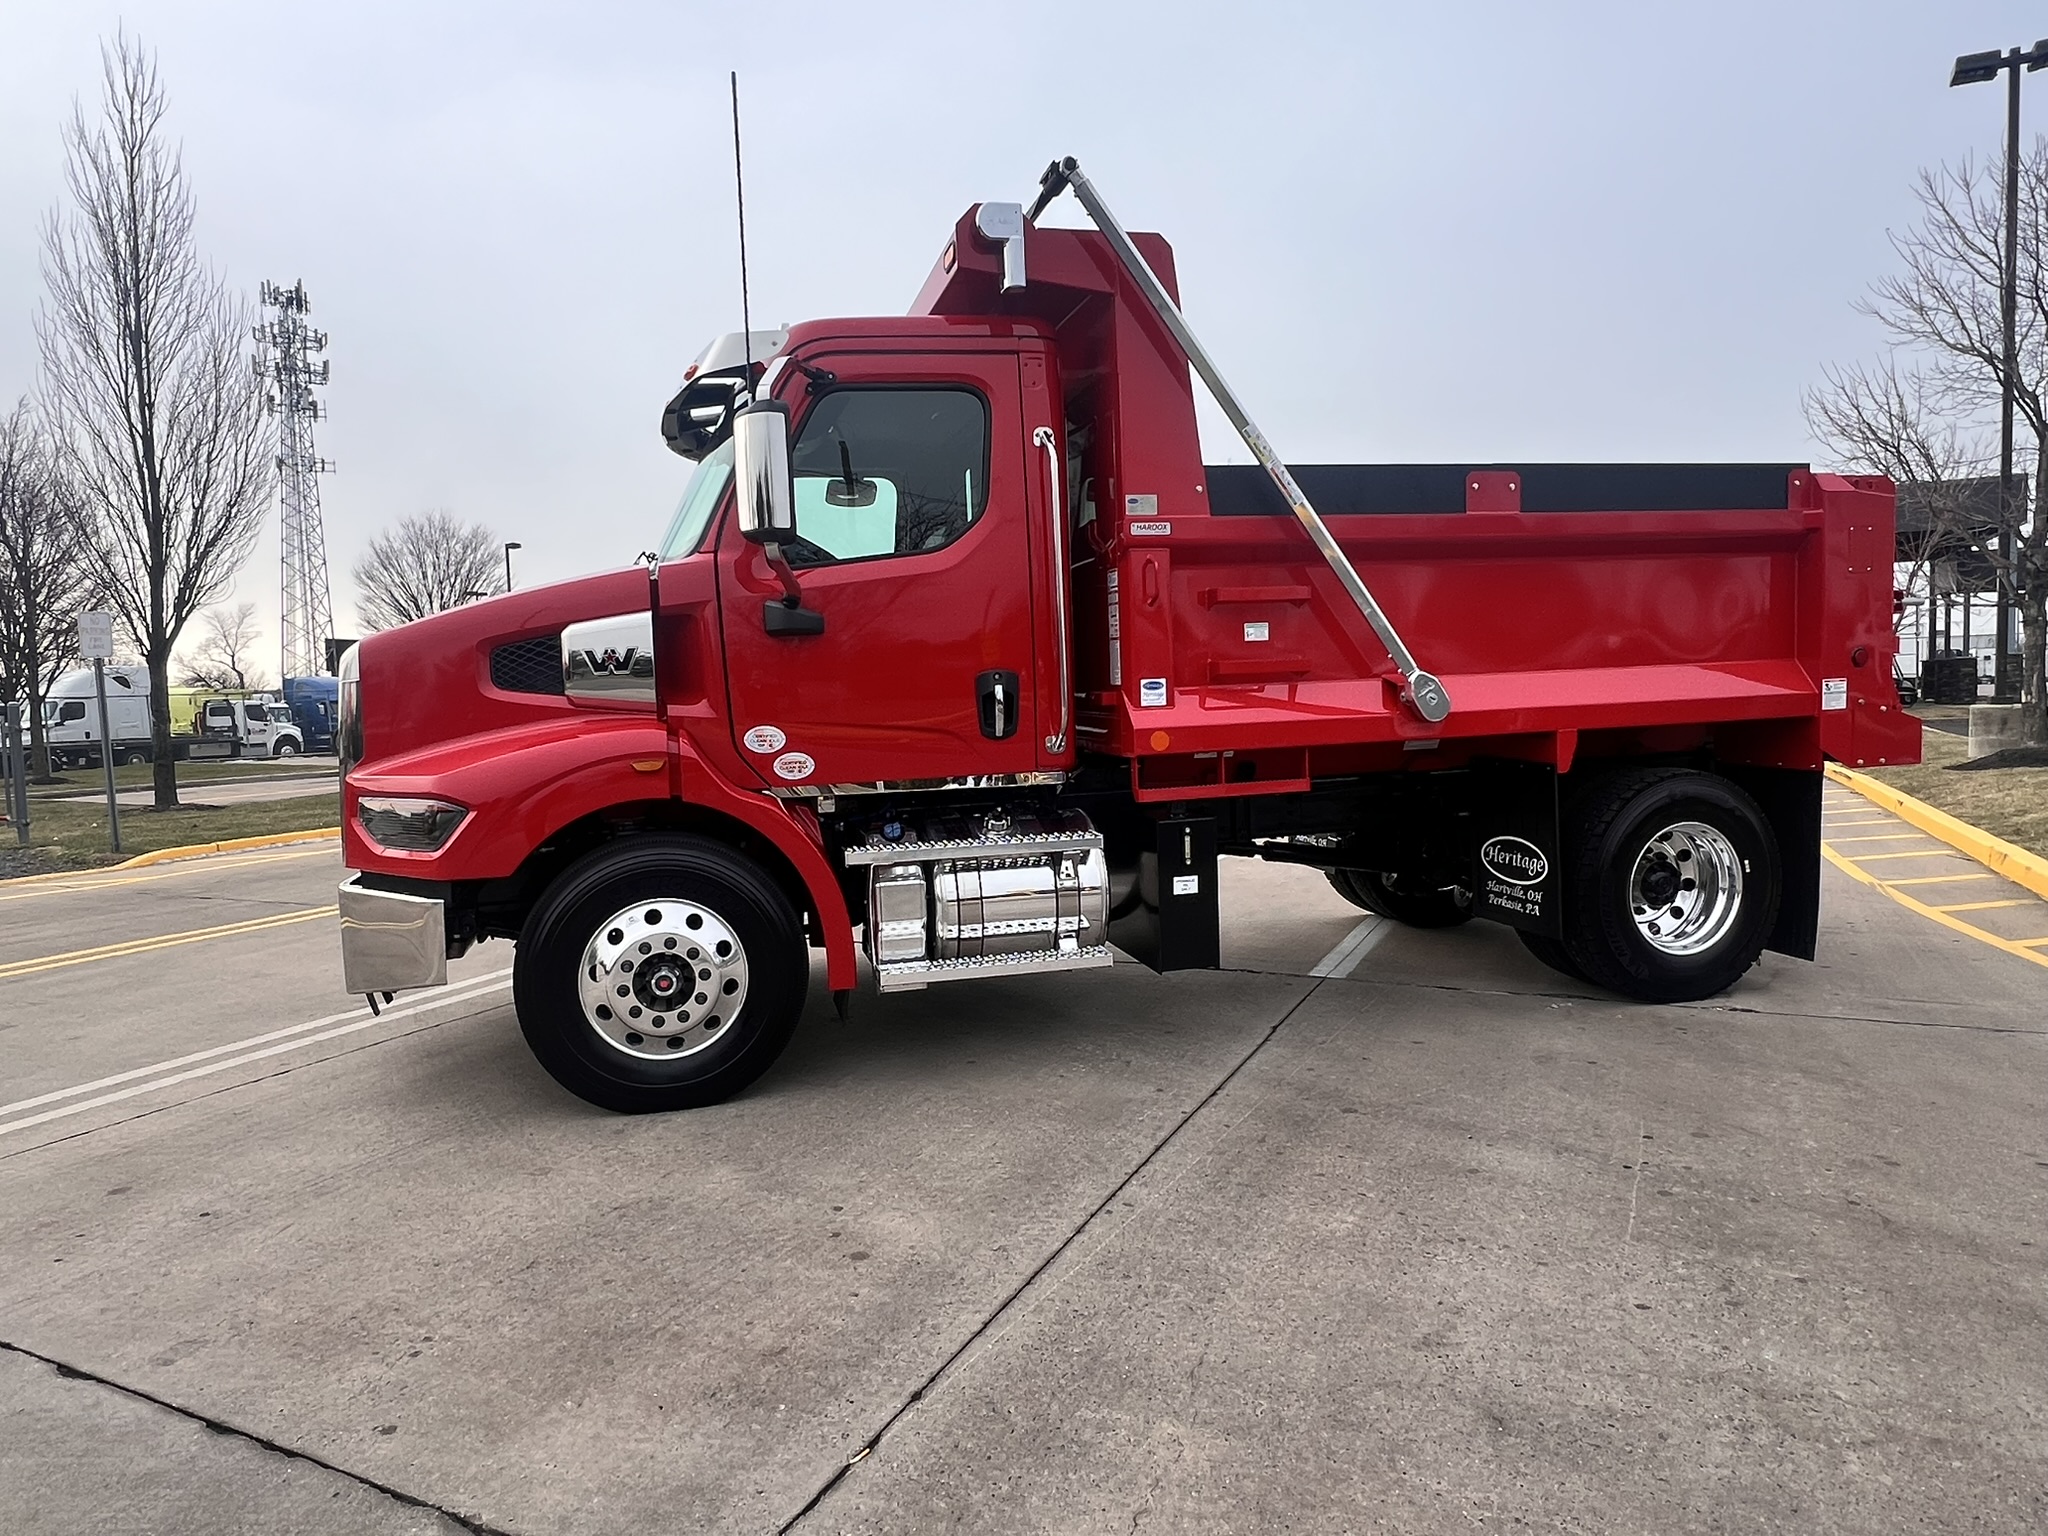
x=431, y=681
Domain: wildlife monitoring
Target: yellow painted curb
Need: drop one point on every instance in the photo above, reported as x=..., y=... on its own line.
x=189, y=851
x=228, y=845
x=1994, y=853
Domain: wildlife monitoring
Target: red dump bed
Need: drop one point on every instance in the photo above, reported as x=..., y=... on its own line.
x=1568, y=609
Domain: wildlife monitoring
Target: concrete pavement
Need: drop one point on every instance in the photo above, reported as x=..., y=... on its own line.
x=1439, y=1243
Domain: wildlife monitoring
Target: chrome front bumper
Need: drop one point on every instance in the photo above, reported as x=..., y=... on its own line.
x=391, y=941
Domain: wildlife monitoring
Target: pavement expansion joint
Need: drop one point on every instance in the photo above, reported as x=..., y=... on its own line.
x=1023, y=1288
x=70, y=1372
x=1855, y=1018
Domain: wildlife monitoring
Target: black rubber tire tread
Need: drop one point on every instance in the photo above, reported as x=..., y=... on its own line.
x=1345, y=883
x=1382, y=895
x=1600, y=936
x=674, y=866
x=1551, y=952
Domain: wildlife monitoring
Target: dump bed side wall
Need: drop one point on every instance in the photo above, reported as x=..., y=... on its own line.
x=1228, y=634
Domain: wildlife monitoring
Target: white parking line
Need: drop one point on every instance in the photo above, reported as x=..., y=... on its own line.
x=1351, y=949
x=310, y=1033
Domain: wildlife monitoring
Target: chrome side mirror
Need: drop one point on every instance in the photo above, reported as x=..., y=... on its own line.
x=761, y=474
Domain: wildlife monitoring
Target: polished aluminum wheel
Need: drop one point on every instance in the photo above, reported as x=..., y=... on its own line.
x=1685, y=891
x=662, y=979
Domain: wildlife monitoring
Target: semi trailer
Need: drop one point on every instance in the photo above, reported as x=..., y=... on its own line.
x=957, y=663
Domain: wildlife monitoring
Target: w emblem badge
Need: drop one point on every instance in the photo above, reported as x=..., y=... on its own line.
x=611, y=660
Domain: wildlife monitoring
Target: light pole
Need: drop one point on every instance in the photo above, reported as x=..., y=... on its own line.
x=1977, y=69
x=508, y=562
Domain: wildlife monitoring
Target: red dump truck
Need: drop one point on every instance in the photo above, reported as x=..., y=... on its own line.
x=958, y=661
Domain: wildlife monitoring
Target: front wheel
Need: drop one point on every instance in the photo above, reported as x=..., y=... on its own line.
x=287, y=749
x=1403, y=898
x=133, y=756
x=1672, y=884
x=660, y=973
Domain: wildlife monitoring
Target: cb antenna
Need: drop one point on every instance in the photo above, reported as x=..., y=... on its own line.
x=740, y=190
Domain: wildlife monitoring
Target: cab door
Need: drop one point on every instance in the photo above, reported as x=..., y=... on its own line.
x=914, y=548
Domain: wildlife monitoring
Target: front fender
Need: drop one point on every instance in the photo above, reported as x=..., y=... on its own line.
x=524, y=784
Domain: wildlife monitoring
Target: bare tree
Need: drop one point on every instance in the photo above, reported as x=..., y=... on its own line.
x=224, y=655
x=425, y=565
x=44, y=575
x=157, y=414
x=1874, y=419
x=1946, y=304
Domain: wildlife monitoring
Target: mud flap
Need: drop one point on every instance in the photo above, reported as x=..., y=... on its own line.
x=1790, y=801
x=1168, y=918
x=1517, y=877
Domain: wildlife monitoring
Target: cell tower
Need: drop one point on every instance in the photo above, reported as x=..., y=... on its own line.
x=285, y=360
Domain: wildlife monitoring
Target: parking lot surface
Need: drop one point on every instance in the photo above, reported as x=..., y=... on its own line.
x=1375, y=1229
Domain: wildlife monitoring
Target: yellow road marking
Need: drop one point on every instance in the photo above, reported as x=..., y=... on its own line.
x=1934, y=914
x=1890, y=837
x=2029, y=943
x=1937, y=879
x=106, y=880
x=1984, y=906
x=1918, y=853
x=162, y=941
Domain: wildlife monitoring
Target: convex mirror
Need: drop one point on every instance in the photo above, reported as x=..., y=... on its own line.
x=701, y=414
x=761, y=474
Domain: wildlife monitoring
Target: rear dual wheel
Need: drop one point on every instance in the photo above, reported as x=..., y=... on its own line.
x=660, y=973
x=1671, y=886
x=1405, y=899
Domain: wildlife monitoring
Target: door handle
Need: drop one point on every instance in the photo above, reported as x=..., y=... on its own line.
x=995, y=701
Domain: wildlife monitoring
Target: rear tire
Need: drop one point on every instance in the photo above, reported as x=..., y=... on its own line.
x=1671, y=884
x=1551, y=952
x=1416, y=904
x=702, y=954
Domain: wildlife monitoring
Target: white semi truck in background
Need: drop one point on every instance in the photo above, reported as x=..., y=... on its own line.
x=204, y=724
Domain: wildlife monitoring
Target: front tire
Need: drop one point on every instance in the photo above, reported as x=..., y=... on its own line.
x=1671, y=885
x=287, y=749
x=660, y=973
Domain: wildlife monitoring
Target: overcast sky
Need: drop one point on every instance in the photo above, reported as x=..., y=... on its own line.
x=1476, y=232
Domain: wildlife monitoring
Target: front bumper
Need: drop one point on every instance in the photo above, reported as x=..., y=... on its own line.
x=391, y=940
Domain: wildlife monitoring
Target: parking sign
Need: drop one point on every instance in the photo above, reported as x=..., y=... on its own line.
x=96, y=636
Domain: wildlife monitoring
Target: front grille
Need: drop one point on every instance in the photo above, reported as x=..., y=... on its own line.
x=528, y=666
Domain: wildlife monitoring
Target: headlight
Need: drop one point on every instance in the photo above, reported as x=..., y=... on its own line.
x=401, y=825
x=348, y=725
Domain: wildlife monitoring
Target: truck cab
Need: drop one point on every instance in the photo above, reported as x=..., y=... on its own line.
x=247, y=725
x=71, y=720
x=956, y=662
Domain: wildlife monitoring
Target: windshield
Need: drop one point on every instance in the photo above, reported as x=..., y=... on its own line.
x=700, y=500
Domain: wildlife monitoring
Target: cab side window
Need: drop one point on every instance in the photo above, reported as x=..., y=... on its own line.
x=882, y=472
